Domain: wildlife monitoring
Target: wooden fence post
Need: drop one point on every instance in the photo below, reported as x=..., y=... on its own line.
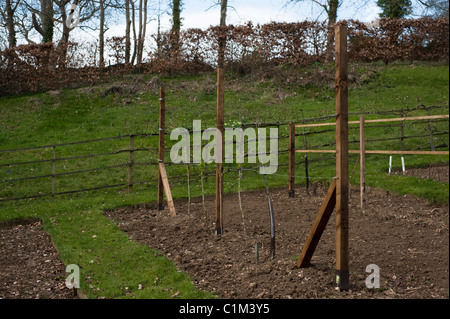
x=362, y=149
x=291, y=160
x=162, y=121
x=342, y=171
x=430, y=128
x=305, y=145
x=220, y=148
x=53, y=172
x=130, y=165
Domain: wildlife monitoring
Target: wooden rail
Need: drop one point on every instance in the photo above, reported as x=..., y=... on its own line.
x=398, y=119
x=378, y=152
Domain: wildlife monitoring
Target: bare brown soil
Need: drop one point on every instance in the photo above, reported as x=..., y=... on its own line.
x=407, y=238
x=439, y=173
x=30, y=267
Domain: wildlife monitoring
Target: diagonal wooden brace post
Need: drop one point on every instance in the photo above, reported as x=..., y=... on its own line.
x=165, y=182
x=318, y=227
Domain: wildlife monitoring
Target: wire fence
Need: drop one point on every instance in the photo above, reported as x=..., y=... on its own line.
x=127, y=159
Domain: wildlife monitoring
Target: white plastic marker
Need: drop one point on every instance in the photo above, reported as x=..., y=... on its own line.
x=390, y=164
x=403, y=165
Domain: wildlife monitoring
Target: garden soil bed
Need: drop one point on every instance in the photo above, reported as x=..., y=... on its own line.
x=438, y=172
x=30, y=267
x=407, y=238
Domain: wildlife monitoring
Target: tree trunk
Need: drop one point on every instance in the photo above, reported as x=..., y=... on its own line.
x=139, y=50
x=127, y=32
x=45, y=29
x=65, y=32
x=102, y=35
x=12, y=41
x=332, y=19
x=142, y=31
x=176, y=25
x=133, y=58
x=47, y=21
x=158, y=34
x=139, y=39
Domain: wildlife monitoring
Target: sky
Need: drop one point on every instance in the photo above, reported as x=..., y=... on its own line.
x=263, y=11
x=199, y=14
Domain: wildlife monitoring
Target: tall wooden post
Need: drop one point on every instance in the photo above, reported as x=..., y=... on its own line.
x=362, y=150
x=291, y=160
x=162, y=128
x=220, y=149
x=220, y=120
x=342, y=172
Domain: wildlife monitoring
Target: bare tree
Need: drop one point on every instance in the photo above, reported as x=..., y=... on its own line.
x=47, y=14
x=101, y=39
x=434, y=8
x=24, y=24
x=106, y=9
x=42, y=18
x=127, y=32
x=331, y=8
x=140, y=34
x=176, y=24
x=8, y=11
x=143, y=10
x=87, y=10
x=158, y=32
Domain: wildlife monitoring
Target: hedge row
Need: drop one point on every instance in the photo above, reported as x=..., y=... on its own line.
x=39, y=67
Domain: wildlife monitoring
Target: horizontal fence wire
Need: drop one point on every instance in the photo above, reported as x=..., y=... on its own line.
x=431, y=129
x=79, y=142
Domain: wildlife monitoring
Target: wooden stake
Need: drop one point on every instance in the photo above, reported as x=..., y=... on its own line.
x=342, y=182
x=362, y=164
x=130, y=168
x=291, y=160
x=53, y=172
x=305, y=144
x=318, y=227
x=307, y=173
x=162, y=121
x=220, y=148
x=165, y=181
x=431, y=133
